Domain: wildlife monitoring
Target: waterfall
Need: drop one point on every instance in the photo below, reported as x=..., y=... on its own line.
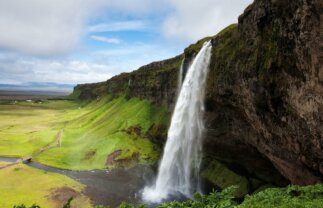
x=180, y=77
x=179, y=167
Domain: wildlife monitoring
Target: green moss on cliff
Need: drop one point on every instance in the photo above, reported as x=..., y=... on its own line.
x=227, y=44
x=222, y=177
x=156, y=82
x=193, y=49
x=75, y=94
x=267, y=51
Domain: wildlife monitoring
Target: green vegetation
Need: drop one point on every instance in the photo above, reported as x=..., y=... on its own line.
x=289, y=197
x=193, y=49
x=153, y=82
x=74, y=95
x=222, y=38
x=267, y=53
x=21, y=184
x=103, y=128
x=91, y=132
x=224, y=199
x=222, y=177
x=27, y=127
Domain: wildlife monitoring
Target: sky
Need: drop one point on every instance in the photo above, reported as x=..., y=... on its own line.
x=70, y=42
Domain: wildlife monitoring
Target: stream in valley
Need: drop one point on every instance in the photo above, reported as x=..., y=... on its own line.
x=106, y=187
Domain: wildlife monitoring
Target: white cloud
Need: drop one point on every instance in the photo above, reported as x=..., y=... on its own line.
x=26, y=69
x=138, y=7
x=192, y=20
x=117, y=26
x=56, y=27
x=105, y=39
x=102, y=65
x=133, y=56
x=39, y=27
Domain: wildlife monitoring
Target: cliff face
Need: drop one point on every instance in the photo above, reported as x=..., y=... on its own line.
x=265, y=89
x=264, y=96
x=156, y=82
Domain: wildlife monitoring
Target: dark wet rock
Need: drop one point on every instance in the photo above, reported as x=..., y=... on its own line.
x=264, y=97
x=111, y=159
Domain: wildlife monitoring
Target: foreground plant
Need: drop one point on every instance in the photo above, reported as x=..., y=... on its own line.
x=223, y=199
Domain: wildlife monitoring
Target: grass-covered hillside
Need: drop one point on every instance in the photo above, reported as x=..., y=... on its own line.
x=99, y=134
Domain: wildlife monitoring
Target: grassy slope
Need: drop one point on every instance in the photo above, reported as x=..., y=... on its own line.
x=26, y=185
x=100, y=129
x=91, y=131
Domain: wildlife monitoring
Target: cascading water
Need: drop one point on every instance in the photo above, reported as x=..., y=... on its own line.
x=180, y=77
x=179, y=167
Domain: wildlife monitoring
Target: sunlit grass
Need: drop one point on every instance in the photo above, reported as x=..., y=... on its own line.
x=90, y=131
x=21, y=184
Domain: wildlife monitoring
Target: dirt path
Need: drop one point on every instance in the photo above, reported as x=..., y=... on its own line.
x=8, y=165
x=54, y=144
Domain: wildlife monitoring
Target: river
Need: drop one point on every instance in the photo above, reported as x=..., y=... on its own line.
x=106, y=187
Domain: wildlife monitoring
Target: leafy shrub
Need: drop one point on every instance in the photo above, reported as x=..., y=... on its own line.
x=288, y=197
x=291, y=196
x=224, y=199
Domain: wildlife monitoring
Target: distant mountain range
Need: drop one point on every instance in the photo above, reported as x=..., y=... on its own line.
x=38, y=86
